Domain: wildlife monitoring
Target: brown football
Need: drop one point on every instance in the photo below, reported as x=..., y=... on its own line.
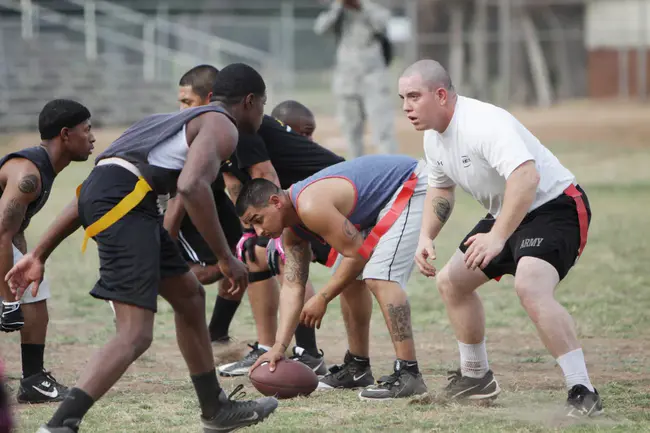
x=290, y=379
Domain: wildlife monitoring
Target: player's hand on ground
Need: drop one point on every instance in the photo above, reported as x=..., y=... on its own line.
x=272, y=356
x=426, y=251
x=313, y=312
x=11, y=318
x=246, y=246
x=29, y=270
x=236, y=271
x=482, y=248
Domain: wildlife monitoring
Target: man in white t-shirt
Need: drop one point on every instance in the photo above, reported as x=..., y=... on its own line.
x=535, y=229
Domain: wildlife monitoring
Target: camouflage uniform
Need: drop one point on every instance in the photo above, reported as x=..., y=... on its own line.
x=361, y=81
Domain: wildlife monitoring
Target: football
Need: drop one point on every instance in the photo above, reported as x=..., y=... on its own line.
x=290, y=379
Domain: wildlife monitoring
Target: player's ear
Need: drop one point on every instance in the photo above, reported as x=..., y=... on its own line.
x=208, y=98
x=65, y=133
x=275, y=201
x=249, y=100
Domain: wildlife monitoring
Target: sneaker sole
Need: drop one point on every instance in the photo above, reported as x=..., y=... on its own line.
x=257, y=421
x=52, y=400
x=489, y=396
x=362, y=398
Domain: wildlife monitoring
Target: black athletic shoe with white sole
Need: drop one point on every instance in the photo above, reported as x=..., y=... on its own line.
x=462, y=387
x=241, y=367
x=234, y=414
x=401, y=384
x=583, y=403
x=41, y=388
x=349, y=375
x=316, y=363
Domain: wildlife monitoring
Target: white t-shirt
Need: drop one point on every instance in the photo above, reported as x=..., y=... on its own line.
x=481, y=147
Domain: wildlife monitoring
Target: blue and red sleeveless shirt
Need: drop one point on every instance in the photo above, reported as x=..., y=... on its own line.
x=375, y=178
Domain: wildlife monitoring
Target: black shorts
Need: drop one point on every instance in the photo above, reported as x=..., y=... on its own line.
x=194, y=248
x=136, y=252
x=550, y=233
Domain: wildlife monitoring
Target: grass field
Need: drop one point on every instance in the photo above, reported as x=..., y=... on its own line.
x=607, y=293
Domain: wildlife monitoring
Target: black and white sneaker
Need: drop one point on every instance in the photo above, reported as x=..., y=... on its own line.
x=316, y=363
x=463, y=387
x=583, y=403
x=234, y=414
x=401, y=384
x=241, y=367
x=349, y=375
x=41, y=388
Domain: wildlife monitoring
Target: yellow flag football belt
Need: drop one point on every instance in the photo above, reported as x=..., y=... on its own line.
x=125, y=205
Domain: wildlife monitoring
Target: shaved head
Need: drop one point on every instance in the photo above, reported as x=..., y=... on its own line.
x=428, y=95
x=433, y=74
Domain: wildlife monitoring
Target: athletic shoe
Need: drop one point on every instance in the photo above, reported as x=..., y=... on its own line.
x=234, y=414
x=401, y=384
x=463, y=387
x=583, y=403
x=316, y=363
x=69, y=426
x=241, y=367
x=349, y=375
x=41, y=388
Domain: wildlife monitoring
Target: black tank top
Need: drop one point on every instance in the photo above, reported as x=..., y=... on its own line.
x=40, y=158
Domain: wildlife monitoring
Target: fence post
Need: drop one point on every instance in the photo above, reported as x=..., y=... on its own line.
x=642, y=52
x=162, y=15
x=149, y=49
x=505, y=45
x=90, y=30
x=288, y=25
x=27, y=19
x=623, y=73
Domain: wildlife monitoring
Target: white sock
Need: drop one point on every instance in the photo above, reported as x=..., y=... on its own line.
x=574, y=369
x=263, y=347
x=473, y=360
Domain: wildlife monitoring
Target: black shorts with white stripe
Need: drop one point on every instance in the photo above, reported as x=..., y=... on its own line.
x=193, y=246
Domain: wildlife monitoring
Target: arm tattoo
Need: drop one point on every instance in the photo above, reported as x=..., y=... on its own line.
x=296, y=268
x=442, y=208
x=349, y=230
x=20, y=242
x=13, y=215
x=400, y=321
x=28, y=184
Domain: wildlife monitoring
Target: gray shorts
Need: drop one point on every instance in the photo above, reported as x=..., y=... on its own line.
x=393, y=258
x=43, y=289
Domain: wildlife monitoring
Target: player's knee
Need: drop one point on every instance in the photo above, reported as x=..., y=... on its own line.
x=137, y=339
x=260, y=264
x=445, y=286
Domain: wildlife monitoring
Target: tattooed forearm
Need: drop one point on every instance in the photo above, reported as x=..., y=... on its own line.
x=400, y=321
x=442, y=208
x=296, y=268
x=234, y=190
x=349, y=230
x=20, y=242
x=13, y=215
x=28, y=184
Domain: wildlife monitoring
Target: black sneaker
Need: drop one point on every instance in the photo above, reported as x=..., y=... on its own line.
x=41, y=388
x=402, y=383
x=241, y=367
x=235, y=414
x=316, y=363
x=349, y=375
x=583, y=403
x=462, y=387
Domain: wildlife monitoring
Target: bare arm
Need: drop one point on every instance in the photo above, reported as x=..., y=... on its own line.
x=292, y=294
x=438, y=205
x=65, y=224
x=326, y=19
x=521, y=188
x=264, y=170
x=174, y=216
x=22, y=187
x=212, y=138
x=341, y=235
x=233, y=186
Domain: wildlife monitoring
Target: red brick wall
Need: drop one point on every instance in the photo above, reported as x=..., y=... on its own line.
x=603, y=74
